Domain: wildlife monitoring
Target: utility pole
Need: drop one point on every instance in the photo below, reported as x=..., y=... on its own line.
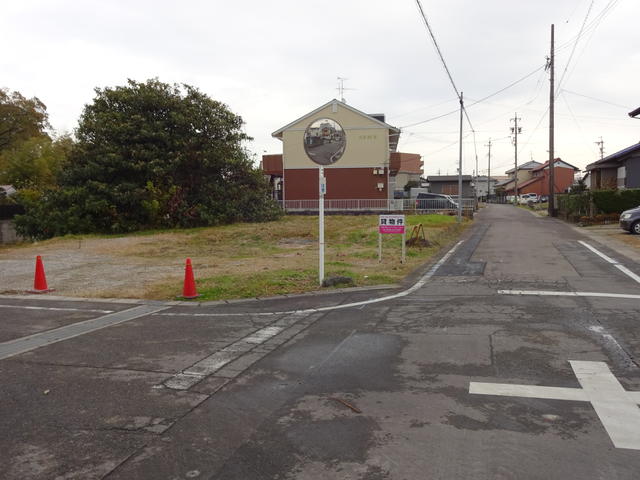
x=460, y=163
x=488, y=171
x=601, y=147
x=552, y=204
x=516, y=130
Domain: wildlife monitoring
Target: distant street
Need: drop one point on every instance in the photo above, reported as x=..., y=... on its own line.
x=515, y=358
x=323, y=154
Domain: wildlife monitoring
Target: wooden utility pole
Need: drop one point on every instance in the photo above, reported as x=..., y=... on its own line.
x=516, y=130
x=488, y=171
x=552, y=204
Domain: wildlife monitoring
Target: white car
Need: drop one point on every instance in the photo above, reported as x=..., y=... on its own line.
x=528, y=197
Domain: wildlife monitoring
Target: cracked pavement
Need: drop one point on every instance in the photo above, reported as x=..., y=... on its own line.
x=374, y=391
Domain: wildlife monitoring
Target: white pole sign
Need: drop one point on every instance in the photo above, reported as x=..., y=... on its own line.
x=321, y=194
x=324, y=143
x=391, y=224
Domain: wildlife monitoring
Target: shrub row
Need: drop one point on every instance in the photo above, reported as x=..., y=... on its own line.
x=600, y=219
x=616, y=201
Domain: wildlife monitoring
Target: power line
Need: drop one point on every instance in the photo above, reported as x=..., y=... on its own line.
x=424, y=108
x=453, y=84
x=507, y=87
x=512, y=84
x=435, y=44
x=595, y=99
x=573, y=50
x=592, y=25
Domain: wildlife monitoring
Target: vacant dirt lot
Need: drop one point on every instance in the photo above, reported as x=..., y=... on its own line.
x=233, y=261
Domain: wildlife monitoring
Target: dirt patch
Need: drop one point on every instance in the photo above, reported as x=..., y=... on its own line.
x=232, y=261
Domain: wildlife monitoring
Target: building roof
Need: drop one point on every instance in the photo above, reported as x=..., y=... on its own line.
x=612, y=160
x=394, y=132
x=448, y=178
x=529, y=182
x=555, y=162
x=525, y=166
x=505, y=182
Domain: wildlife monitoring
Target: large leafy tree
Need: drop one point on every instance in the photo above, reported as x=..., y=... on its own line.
x=20, y=118
x=154, y=155
x=35, y=163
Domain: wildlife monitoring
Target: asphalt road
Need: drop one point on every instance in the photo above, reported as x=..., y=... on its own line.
x=501, y=364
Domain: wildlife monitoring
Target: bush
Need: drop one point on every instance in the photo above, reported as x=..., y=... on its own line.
x=616, y=201
x=574, y=205
x=151, y=155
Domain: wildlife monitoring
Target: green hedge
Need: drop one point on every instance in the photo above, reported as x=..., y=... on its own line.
x=616, y=201
x=574, y=204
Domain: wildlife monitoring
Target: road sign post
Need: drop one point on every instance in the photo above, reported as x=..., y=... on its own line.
x=322, y=190
x=391, y=224
x=324, y=143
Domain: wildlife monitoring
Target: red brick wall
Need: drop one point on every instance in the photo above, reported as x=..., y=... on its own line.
x=563, y=179
x=352, y=183
x=272, y=164
x=406, y=162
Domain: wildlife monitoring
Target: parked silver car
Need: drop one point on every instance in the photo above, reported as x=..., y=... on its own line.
x=630, y=220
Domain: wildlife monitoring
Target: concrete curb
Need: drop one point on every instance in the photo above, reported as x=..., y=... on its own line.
x=411, y=279
x=172, y=303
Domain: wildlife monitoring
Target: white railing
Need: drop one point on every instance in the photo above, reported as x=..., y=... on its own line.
x=379, y=205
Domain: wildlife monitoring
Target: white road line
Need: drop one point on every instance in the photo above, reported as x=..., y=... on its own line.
x=198, y=371
x=616, y=408
x=612, y=261
x=628, y=272
x=530, y=391
x=55, y=309
x=552, y=293
x=598, y=252
x=419, y=284
x=37, y=340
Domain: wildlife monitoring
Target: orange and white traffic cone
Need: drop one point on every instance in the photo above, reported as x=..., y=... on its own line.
x=189, y=288
x=40, y=280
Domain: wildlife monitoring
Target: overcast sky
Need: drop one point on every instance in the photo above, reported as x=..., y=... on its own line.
x=272, y=62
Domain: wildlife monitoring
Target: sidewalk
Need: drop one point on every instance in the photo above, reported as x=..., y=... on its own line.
x=615, y=238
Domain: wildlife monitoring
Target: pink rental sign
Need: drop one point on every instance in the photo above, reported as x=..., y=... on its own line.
x=391, y=224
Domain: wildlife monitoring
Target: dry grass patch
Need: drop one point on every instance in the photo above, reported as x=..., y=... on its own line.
x=615, y=233
x=244, y=260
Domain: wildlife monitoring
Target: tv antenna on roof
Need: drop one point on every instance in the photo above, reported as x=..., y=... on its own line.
x=341, y=88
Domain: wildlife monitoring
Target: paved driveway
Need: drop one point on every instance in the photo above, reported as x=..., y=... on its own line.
x=514, y=357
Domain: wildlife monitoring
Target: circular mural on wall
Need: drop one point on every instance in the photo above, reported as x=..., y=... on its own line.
x=324, y=141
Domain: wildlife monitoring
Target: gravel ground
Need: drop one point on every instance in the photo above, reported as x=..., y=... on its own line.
x=85, y=271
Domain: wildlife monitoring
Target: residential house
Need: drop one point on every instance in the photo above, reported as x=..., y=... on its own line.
x=483, y=187
x=563, y=176
x=618, y=170
x=448, y=185
x=366, y=166
x=523, y=174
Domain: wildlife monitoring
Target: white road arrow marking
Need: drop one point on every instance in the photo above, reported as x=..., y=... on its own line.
x=617, y=408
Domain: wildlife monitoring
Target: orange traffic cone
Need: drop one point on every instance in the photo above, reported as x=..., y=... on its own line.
x=40, y=281
x=189, y=289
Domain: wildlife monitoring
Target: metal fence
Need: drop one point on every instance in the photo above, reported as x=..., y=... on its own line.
x=381, y=205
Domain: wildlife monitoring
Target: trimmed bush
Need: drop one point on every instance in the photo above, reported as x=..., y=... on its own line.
x=616, y=201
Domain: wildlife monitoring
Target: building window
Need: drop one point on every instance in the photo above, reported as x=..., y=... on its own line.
x=450, y=189
x=622, y=174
